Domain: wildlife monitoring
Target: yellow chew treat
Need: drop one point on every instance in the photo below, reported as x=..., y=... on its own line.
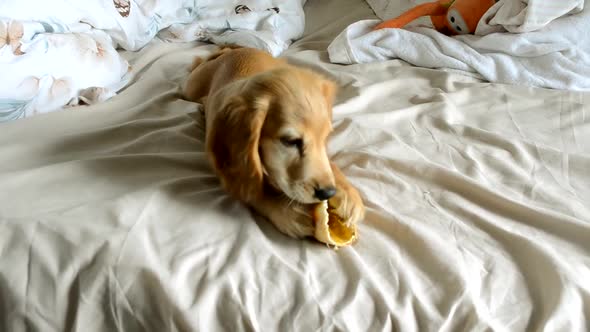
x=330, y=228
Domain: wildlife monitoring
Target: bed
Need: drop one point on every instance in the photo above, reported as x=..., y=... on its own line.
x=477, y=195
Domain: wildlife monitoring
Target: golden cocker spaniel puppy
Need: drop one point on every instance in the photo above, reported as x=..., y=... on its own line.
x=267, y=125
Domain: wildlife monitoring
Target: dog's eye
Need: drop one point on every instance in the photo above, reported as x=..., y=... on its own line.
x=292, y=142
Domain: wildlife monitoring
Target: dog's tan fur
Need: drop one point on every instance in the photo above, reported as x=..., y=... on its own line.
x=256, y=106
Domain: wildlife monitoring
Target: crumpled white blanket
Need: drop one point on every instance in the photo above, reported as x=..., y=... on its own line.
x=525, y=15
x=59, y=53
x=552, y=52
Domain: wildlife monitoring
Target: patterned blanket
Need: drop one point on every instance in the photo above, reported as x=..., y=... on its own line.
x=59, y=53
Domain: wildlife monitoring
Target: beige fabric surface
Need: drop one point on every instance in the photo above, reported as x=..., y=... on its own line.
x=477, y=194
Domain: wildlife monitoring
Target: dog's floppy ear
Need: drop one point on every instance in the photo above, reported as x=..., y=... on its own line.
x=233, y=146
x=329, y=91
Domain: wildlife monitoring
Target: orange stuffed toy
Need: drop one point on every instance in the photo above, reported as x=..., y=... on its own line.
x=451, y=17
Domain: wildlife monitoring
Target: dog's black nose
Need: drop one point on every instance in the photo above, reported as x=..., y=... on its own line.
x=324, y=193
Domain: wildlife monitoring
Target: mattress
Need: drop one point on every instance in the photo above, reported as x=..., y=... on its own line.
x=477, y=195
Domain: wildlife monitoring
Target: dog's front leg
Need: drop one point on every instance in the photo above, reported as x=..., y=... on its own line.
x=347, y=201
x=291, y=218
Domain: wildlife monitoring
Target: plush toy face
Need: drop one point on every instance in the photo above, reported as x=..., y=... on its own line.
x=456, y=23
x=464, y=15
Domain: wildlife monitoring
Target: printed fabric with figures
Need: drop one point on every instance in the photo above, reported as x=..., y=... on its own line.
x=70, y=56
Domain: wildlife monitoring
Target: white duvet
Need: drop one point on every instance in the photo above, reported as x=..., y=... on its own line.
x=58, y=53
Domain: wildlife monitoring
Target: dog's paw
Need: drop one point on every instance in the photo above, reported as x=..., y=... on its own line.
x=348, y=204
x=294, y=220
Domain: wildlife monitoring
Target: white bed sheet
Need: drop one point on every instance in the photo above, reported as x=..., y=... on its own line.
x=478, y=209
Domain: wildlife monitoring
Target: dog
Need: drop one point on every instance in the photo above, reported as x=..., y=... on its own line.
x=267, y=126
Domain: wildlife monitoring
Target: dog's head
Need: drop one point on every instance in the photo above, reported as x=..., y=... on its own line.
x=274, y=131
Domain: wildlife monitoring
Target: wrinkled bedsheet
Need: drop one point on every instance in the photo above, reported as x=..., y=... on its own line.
x=477, y=195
